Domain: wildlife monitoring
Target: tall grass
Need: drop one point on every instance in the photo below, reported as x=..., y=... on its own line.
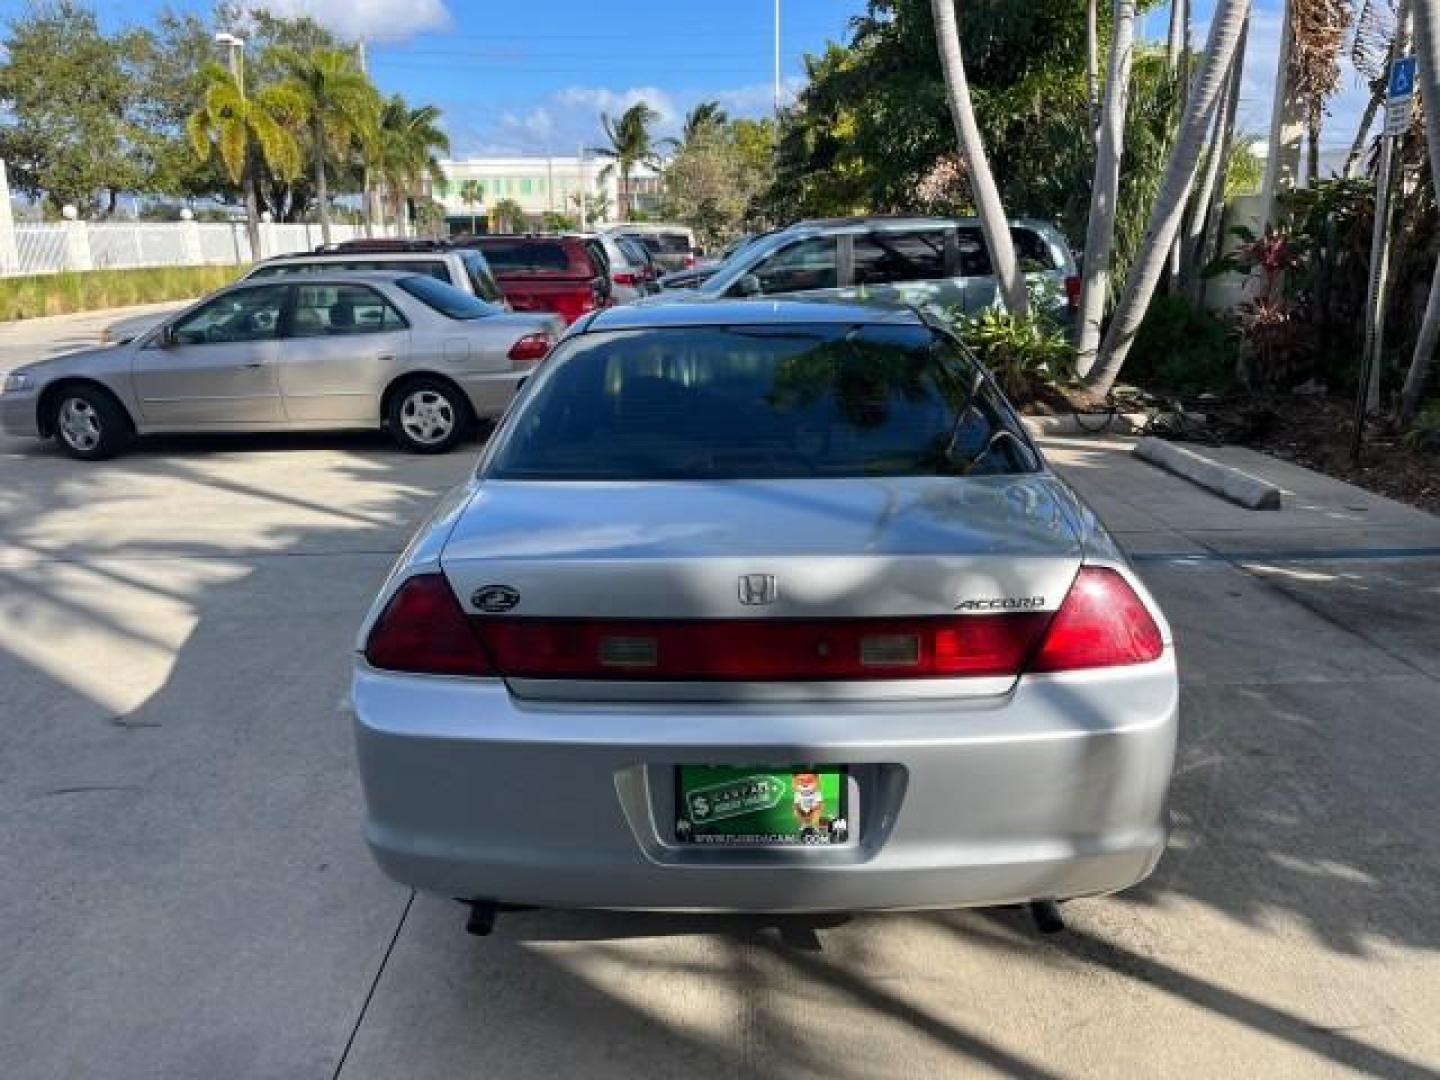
x=60, y=294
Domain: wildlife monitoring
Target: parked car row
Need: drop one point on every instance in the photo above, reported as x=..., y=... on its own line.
x=309, y=340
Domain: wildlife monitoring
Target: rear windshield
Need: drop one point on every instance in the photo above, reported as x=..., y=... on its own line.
x=664, y=243
x=478, y=271
x=760, y=403
x=1032, y=251
x=451, y=302
x=526, y=255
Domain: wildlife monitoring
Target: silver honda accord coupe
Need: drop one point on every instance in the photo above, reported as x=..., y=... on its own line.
x=329, y=351
x=764, y=606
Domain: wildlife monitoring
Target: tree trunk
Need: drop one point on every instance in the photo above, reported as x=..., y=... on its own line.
x=993, y=223
x=252, y=203
x=1100, y=232
x=1312, y=160
x=322, y=189
x=1282, y=158
x=1367, y=121
x=1212, y=207
x=1427, y=41
x=1225, y=26
x=1174, y=40
x=1210, y=199
x=1092, y=65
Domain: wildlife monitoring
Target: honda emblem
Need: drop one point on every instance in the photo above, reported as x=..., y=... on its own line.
x=758, y=589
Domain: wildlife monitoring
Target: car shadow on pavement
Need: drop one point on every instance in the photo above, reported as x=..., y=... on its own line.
x=192, y=896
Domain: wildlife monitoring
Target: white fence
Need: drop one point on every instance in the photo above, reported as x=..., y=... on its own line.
x=49, y=248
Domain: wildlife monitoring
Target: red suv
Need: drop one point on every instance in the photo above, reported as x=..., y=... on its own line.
x=569, y=275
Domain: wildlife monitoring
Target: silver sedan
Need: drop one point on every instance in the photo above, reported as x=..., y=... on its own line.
x=764, y=606
x=329, y=351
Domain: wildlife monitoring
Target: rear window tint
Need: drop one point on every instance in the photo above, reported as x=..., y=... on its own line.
x=760, y=402
x=449, y=301
x=664, y=243
x=478, y=271
x=526, y=255
x=1031, y=249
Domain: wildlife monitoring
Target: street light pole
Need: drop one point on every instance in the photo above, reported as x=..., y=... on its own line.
x=235, y=47
x=777, y=59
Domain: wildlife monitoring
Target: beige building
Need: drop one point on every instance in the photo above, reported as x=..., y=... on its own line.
x=539, y=185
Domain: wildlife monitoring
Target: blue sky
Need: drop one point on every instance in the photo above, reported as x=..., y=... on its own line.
x=533, y=77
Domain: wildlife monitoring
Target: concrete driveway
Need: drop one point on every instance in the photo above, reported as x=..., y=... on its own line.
x=185, y=893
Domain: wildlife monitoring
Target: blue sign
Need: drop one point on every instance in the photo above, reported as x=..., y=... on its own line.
x=1402, y=78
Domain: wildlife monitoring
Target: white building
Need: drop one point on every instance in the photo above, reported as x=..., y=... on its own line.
x=540, y=185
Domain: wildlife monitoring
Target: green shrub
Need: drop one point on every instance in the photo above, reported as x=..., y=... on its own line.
x=1183, y=348
x=1424, y=431
x=61, y=294
x=1024, y=354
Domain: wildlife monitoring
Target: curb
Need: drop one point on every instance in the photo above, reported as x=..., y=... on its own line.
x=1099, y=424
x=1229, y=483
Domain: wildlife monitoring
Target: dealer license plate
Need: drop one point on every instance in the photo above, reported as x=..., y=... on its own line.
x=761, y=807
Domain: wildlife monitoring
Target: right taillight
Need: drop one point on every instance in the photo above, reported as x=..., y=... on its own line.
x=1102, y=623
x=625, y=277
x=531, y=349
x=423, y=630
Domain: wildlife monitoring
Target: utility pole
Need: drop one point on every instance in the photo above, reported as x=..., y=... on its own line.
x=368, y=197
x=580, y=155
x=777, y=59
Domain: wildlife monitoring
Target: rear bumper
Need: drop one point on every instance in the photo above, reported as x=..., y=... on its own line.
x=490, y=394
x=1055, y=790
x=18, y=414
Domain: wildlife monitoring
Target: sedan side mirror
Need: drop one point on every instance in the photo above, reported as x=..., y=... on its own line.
x=749, y=285
x=166, y=338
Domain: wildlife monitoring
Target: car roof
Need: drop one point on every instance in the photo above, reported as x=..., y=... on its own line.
x=358, y=253
x=342, y=277
x=755, y=312
x=884, y=221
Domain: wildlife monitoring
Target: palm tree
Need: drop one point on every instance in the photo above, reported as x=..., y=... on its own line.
x=472, y=194
x=404, y=152
x=341, y=107
x=987, y=197
x=706, y=114
x=630, y=145
x=1105, y=192
x=1427, y=49
x=235, y=125
x=1202, y=233
x=1225, y=26
x=507, y=214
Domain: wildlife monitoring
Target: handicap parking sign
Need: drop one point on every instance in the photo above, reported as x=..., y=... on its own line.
x=1402, y=78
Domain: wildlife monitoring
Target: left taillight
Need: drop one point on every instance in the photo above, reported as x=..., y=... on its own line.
x=423, y=630
x=531, y=348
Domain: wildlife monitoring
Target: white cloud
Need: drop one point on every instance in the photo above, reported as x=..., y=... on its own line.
x=570, y=117
x=373, y=20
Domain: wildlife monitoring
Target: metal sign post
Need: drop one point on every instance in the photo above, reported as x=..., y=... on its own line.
x=1401, y=91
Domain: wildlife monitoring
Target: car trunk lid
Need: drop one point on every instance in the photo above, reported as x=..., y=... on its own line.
x=730, y=575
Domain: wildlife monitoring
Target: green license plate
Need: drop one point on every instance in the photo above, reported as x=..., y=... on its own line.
x=761, y=807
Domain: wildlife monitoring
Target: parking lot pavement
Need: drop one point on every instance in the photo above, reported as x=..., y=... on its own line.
x=31, y=339
x=185, y=892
